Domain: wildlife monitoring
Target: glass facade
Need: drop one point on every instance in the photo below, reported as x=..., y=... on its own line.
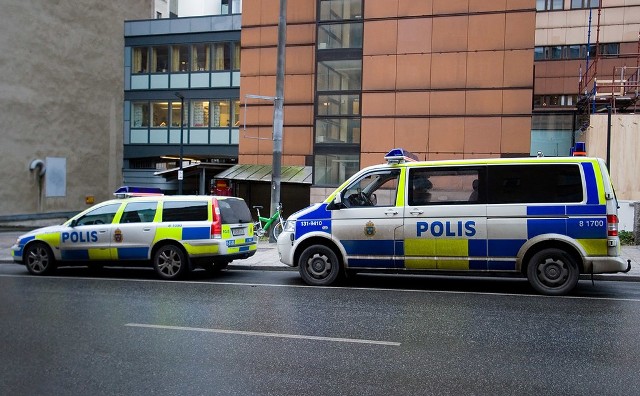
x=220, y=56
x=338, y=91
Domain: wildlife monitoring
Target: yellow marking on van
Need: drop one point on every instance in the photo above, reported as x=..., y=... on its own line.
x=594, y=247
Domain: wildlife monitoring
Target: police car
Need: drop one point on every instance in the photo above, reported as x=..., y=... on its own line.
x=173, y=233
x=548, y=219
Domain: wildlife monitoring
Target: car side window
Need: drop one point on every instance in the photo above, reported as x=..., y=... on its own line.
x=139, y=212
x=434, y=186
x=101, y=215
x=374, y=189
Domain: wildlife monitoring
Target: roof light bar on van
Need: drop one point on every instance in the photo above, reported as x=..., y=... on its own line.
x=400, y=155
x=129, y=191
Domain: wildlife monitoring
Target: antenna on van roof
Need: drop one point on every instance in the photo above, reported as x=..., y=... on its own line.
x=400, y=155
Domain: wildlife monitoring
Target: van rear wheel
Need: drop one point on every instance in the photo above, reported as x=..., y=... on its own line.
x=319, y=265
x=552, y=272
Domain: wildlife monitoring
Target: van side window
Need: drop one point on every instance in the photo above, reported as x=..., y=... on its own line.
x=428, y=186
x=374, y=189
x=185, y=211
x=539, y=183
x=139, y=212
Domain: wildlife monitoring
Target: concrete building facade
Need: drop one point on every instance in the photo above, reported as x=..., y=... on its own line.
x=61, y=97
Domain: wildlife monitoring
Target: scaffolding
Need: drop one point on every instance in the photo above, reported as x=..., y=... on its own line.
x=598, y=90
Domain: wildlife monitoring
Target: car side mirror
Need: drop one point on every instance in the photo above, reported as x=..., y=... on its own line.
x=73, y=223
x=336, y=204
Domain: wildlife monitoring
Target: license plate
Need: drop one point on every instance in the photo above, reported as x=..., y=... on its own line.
x=237, y=231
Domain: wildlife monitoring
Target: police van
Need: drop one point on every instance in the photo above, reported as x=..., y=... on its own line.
x=173, y=233
x=548, y=219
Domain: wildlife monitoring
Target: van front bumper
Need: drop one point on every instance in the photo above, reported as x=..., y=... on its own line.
x=285, y=248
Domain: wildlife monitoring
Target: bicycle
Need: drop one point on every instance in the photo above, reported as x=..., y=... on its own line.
x=263, y=224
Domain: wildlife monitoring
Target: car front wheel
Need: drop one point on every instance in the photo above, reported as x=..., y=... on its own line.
x=39, y=259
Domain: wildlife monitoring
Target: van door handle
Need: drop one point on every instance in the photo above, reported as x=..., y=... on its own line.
x=416, y=211
x=146, y=229
x=391, y=212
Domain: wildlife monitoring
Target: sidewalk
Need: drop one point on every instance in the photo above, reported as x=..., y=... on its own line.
x=266, y=258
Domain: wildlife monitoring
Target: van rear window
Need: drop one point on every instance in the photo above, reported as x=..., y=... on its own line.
x=234, y=210
x=185, y=211
x=552, y=183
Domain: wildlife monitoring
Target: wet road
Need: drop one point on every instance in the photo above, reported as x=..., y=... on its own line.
x=266, y=333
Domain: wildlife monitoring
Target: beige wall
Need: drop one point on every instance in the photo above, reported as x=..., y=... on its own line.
x=624, y=159
x=61, y=96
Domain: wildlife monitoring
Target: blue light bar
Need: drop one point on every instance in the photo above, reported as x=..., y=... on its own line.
x=399, y=155
x=128, y=191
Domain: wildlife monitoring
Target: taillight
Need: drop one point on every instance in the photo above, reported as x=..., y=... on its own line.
x=216, y=225
x=612, y=225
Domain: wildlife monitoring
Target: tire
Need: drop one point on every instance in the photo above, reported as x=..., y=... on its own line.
x=39, y=260
x=277, y=230
x=257, y=230
x=319, y=266
x=170, y=262
x=552, y=272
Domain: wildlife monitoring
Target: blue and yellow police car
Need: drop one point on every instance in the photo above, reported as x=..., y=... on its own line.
x=173, y=233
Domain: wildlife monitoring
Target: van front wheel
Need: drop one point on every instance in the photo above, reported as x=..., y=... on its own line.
x=552, y=272
x=319, y=265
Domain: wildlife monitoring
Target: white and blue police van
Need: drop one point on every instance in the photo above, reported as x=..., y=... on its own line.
x=548, y=219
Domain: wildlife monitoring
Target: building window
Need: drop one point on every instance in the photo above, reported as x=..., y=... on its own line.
x=548, y=5
x=338, y=130
x=221, y=113
x=340, y=75
x=575, y=4
x=338, y=105
x=221, y=57
x=200, y=57
x=554, y=100
x=575, y=51
x=140, y=62
x=176, y=115
x=140, y=114
x=159, y=59
x=199, y=113
x=333, y=169
x=236, y=6
x=179, y=58
x=336, y=10
x=342, y=35
x=159, y=114
x=236, y=113
x=236, y=55
x=224, y=7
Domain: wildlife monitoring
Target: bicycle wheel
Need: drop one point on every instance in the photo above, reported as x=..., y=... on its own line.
x=257, y=229
x=277, y=230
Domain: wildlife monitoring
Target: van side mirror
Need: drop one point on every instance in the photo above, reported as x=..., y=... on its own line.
x=73, y=223
x=336, y=204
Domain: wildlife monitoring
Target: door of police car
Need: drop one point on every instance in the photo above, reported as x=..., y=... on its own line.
x=369, y=222
x=89, y=236
x=134, y=234
x=445, y=218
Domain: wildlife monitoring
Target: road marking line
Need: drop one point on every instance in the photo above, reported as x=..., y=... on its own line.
x=260, y=334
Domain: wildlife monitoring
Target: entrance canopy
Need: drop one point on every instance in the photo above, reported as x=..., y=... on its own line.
x=289, y=174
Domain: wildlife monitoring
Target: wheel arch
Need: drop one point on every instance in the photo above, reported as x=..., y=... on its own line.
x=318, y=240
x=158, y=244
x=551, y=242
x=34, y=241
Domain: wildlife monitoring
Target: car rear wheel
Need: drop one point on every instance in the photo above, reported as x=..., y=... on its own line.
x=39, y=259
x=319, y=265
x=170, y=262
x=552, y=272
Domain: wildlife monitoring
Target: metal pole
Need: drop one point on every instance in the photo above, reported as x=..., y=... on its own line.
x=180, y=171
x=609, y=138
x=278, y=112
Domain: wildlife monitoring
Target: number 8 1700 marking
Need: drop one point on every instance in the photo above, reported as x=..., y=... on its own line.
x=591, y=223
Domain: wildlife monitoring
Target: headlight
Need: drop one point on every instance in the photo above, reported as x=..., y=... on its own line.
x=290, y=226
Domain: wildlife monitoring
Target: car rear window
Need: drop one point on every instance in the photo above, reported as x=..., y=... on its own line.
x=234, y=210
x=185, y=211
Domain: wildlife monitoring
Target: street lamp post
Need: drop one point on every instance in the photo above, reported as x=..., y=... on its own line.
x=180, y=171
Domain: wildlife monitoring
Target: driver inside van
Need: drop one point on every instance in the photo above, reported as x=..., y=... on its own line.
x=421, y=193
